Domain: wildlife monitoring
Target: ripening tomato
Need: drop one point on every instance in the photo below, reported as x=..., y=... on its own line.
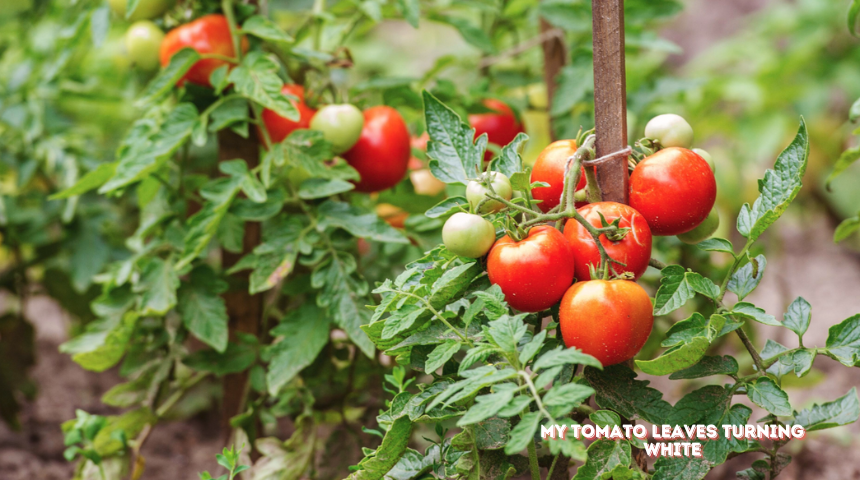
x=208, y=34
x=280, y=127
x=674, y=190
x=607, y=319
x=703, y=231
x=670, y=130
x=476, y=192
x=382, y=152
x=468, y=235
x=340, y=124
x=535, y=272
x=634, y=250
x=500, y=127
x=549, y=168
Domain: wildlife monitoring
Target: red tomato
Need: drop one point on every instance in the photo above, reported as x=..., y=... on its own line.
x=208, y=34
x=607, y=319
x=279, y=127
x=634, y=250
x=382, y=152
x=674, y=190
x=534, y=272
x=549, y=168
x=500, y=127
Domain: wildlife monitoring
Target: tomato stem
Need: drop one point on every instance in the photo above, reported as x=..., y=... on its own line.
x=227, y=7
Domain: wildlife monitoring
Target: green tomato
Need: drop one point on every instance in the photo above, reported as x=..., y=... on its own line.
x=340, y=124
x=143, y=42
x=297, y=175
x=468, y=235
x=670, y=130
x=707, y=156
x=704, y=230
x=476, y=192
x=145, y=8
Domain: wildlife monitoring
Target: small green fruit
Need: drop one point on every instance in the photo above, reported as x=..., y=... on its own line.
x=670, y=130
x=476, y=192
x=468, y=235
x=703, y=231
x=340, y=124
x=707, y=156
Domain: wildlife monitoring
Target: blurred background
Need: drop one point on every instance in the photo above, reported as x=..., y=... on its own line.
x=741, y=71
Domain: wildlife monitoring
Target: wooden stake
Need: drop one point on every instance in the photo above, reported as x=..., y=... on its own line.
x=245, y=310
x=554, y=59
x=610, y=97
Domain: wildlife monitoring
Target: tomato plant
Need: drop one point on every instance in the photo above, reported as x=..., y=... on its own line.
x=142, y=40
x=549, y=168
x=381, y=154
x=341, y=125
x=210, y=37
x=468, y=235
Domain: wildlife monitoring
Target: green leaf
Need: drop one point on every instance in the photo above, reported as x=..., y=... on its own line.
x=674, y=290
x=717, y=245
x=492, y=434
x=523, y=433
x=708, y=366
x=747, y=278
x=179, y=65
x=767, y=395
x=129, y=423
x=798, y=316
x=616, y=388
x=93, y=179
x=532, y=348
x=843, y=341
x=846, y=228
x=305, y=332
x=314, y=188
x=778, y=188
x=507, y=331
x=256, y=78
x=509, y=161
x=681, y=468
x=203, y=225
x=440, y=355
x=844, y=161
x=455, y=155
x=261, y=27
x=411, y=10
x=678, y=359
x=487, y=405
x=748, y=310
x=702, y=285
x=449, y=206
x=568, y=394
x=229, y=113
x=695, y=326
x=603, y=456
x=516, y=406
x=472, y=34
x=699, y=404
x=798, y=362
x=98, y=350
x=565, y=356
x=386, y=456
x=203, y=311
x=842, y=411
x=157, y=285
x=236, y=358
x=602, y=418
x=358, y=222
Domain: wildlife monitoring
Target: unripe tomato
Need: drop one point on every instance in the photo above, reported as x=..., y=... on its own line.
x=468, y=235
x=703, y=231
x=634, y=250
x=382, y=152
x=207, y=34
x=340, y=124
x=549, y=168
x=535, y=272
x=142, y=41
x=476, y=192
x=425, y=183
x=279, y=127
x=707, y=156
x=393, y=215
x=674, y=190
x=607, y=319
x=500, y=127
x=670, y=130
x=145, y=8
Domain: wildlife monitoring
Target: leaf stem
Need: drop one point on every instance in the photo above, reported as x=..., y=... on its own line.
x=751, y=348
x=533, y=461
x=552, y=466
x=227, y=7
x=437, y=315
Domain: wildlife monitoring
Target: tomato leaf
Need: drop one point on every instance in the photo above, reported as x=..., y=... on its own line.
x=798, y=316
x=523, y=433
x=603, y=457
x=717, y=245
x=843, y=341
x=509, y=161
x=386, y=456
x=179, y=65
x=747, y=278
x=203, y=225
x=674, y=290
x=157, y=285
x=678, y=359
x=842, y=411
x=202, y=309
x=256, y=78
x=778, y=188
x=358, y=222
x=261, y=27
x=411, y=10
x=799, y=361
x=447, y=207
x=708, y=366
x=304, y=333
x=314, y=188
x=681, y=468
x=455, y=155
x=767, y=395
x=846, y=228
x=616, y=388
x=487, y=405
x=748, y=310
x=440, y=355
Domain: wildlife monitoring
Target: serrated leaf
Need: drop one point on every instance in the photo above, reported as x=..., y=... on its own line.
x=565, y=356
x=842, y=411
x=523, y=433
x=358, y=222
x=203, y=225
x=99, y=350
x=702, y=285
x=846, y=228
x=256, y=78
x=778, y=188
x=747, y=278
x=674, y=290
x=767, y=395
x=509, y=161
x=532, y=348
x=202, y=309
x=843, y=341
x=571, y=393
x=603, y=457
x=261, y=27
x=449, y=206
x=616, y=388
x=440, y=355
x=715, y=244
x=681, y=468
x=179, y=65
x=678, y=359
x=157, y=285
x=486, y=406
x=748, y=310
x=708, y=366
x=507, y=331
x=314, y=188
x=798, y=362
x=93, y=179
x=455, y=155
x=305, y=331
x=386, y=456
x=798, y=316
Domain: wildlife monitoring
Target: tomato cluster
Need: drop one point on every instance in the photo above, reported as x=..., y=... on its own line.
x=606, y=313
